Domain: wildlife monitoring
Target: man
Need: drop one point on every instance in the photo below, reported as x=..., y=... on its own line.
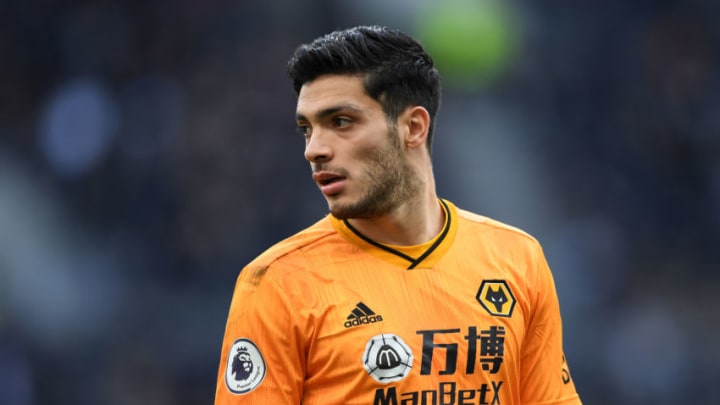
x=397, y=296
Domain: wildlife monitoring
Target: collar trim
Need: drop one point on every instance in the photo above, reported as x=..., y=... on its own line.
x=413, y=262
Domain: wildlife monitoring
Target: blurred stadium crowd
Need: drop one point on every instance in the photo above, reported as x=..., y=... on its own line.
x=148, y=151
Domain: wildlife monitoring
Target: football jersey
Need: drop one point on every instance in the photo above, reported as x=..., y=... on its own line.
x=329, y=316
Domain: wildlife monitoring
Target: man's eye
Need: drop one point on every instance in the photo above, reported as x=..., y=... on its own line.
x=341, y=122
x=303, y=129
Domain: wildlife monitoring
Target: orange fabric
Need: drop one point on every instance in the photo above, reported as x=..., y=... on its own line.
x=327, y=317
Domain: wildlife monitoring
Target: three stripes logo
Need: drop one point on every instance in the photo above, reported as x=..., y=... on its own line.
x=362, y=315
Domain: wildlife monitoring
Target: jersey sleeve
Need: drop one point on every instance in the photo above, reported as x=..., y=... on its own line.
x=263, y=352
x=545, y=376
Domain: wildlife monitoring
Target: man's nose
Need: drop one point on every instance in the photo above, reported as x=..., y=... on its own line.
x=317, y=147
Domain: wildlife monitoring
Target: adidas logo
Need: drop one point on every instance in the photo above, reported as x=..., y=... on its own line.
x=362, y=315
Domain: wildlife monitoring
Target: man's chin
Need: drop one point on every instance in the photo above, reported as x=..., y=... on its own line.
x=342, y=211
x=349, y=211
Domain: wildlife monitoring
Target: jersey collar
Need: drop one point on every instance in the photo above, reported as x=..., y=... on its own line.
x=424, y=255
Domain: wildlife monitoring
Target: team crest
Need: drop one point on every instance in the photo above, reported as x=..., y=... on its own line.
x=387, y=358
x=495, y=296
x=245, y=368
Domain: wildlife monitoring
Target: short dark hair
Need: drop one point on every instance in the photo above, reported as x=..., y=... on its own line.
x=398, y=72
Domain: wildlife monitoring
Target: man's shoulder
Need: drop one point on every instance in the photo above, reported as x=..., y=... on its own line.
x=494, y=237
x=486, y=225
x=290, y=251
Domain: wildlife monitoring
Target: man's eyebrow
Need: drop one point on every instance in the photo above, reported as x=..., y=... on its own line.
x=329, y=111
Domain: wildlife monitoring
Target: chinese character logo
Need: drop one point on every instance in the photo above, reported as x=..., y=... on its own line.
x=245, y=367
x=495, y=296
x=492, y=348
x=387, y=358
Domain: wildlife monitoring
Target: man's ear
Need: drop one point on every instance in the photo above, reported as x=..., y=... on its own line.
x=417, y=121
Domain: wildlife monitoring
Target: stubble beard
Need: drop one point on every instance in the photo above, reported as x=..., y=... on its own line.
x=391, y=181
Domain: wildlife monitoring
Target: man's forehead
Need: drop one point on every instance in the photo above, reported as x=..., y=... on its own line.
x=332, y=86
x=331, y=94
x=321, y=112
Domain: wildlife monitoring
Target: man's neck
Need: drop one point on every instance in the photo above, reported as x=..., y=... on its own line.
x=410, y=224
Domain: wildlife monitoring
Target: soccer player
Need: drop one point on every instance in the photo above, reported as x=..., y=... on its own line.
x=397, y=296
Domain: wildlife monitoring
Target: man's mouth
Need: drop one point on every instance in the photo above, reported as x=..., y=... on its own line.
x=330, y=183
x=325, y=182
x=325, y=178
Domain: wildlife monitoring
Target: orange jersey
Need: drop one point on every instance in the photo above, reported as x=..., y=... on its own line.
x=329, y=316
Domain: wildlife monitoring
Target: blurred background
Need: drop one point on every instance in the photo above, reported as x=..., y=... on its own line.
x=148, y=152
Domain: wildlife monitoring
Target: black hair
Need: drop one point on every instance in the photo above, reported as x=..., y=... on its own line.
x=397, y=71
